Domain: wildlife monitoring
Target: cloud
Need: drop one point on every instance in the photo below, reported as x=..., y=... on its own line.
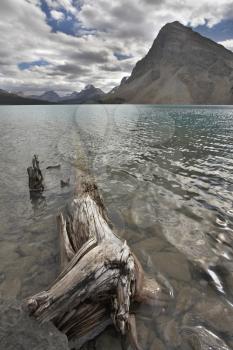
x=228, y=44
x=67, y=5
x=69, y=68
x=108, y=38
x=91, y=56
x=57, y=15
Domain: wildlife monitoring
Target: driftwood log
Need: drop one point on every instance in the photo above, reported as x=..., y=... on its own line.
x=100, y=277
x=35, y=176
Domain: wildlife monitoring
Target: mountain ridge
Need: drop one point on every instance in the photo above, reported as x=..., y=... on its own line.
x=7, y=98
x=89, y=94
x=181, y=67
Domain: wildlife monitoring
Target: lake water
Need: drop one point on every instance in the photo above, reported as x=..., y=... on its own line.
x=166, y=176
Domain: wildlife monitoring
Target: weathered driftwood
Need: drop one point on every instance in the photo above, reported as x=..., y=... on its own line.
x=35, y=176
x=100, y=277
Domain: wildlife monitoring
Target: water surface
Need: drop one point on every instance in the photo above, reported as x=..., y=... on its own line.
x=166, y=177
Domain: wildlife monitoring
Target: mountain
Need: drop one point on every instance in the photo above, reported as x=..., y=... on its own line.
x=50, y=96
x=7, y=98
x=70, y=96
x=90, y=94
x=116, y=88
x=182, y=67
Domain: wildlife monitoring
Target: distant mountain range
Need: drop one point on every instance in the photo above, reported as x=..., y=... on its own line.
x=181, y=67
x=89, y=94
x=48, y=96
x=7, y=98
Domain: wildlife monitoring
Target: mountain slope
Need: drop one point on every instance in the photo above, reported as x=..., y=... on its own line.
x=7, y=98
x=47, y=96
x=182, y=67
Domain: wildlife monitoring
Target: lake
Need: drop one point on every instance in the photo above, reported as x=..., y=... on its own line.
x=166, y=176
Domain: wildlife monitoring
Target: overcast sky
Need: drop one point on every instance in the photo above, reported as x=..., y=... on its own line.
x=64, y=45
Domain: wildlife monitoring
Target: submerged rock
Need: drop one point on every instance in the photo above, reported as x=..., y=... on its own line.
x=171, y=333
x=19, y=331
x=11, y=286
x=186, y=298
x=157, y=344
x=201, y=338
x=216, y=313
x=172, y=265
x=143, y=334
x=108, y=340
x=150, y=245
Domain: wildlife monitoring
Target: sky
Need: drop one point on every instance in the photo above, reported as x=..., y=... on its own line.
x=64, y=45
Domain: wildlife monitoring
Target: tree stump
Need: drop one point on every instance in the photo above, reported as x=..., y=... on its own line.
x=35, y=176
x=100, y=277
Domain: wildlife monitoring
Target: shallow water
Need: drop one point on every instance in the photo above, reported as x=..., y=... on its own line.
x=166, y=177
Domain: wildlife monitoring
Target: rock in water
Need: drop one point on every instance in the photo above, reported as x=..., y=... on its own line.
x=182, y=67
x=19, y=331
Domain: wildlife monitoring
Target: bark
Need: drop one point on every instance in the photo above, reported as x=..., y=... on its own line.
x=100, y=277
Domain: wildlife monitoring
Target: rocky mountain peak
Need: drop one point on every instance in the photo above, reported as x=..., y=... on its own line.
x=181, y=66
x=51, y=92
x=89, y=87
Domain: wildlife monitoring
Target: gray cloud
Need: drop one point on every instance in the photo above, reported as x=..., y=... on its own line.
x=110, y=68
x=89, y=57
x=70, y=68
x=154, y=2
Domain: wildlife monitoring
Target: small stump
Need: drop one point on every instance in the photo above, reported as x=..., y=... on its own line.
x=35, y=176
